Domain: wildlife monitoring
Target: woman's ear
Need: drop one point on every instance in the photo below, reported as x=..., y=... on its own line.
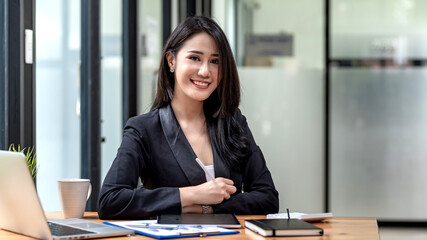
x=171, y=59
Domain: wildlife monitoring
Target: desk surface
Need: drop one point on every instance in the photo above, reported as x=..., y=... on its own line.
x=334, y=229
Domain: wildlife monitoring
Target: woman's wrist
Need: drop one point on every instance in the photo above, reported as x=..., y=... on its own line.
x=207, y=209
x=186, y=195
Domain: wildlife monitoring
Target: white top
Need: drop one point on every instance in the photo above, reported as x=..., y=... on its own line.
x=211, y=170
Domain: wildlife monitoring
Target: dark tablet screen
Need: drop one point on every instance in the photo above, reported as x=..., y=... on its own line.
x=224, y=220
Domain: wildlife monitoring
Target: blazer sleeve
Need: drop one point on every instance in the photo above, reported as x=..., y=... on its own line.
x=259, y=195
x=120, y=196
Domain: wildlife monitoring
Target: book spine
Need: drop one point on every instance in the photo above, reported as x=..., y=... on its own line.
x=264, y=226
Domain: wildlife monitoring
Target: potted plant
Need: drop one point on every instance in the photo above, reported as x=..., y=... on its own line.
x=30, y=156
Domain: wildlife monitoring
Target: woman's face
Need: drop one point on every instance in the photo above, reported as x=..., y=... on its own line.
x=196, y=68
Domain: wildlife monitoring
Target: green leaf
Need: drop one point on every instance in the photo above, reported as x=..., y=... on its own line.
x=30, y=157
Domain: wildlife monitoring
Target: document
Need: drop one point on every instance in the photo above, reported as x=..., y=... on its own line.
x=163, y=231
x=308, y=217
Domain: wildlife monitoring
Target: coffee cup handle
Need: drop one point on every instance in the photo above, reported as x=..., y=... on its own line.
x=89, y=191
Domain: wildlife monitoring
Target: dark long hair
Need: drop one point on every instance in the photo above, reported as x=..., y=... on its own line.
x=225, y=131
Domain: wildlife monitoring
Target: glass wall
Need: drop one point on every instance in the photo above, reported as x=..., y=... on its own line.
x=378, y=109
x=111, y=82
x=58, y=92
x=283, y=90
x=57, y=96
x=150, y=26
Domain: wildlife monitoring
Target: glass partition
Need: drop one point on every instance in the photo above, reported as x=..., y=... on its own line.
x=150, y=26
x=111, y=82
x=58, y=92
x=282, y=89
x=378, y=109
x=57, y=96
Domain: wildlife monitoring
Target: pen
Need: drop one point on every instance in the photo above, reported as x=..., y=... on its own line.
x=287, y=210
x=154, y=226
x=204, y=169
x=201, y=234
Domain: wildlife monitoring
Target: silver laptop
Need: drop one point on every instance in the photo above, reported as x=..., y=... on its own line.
x=21, y=211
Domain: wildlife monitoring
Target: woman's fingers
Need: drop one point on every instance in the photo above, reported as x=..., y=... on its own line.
x=209, y=193
x=225, y=186
x=231, y=189
x=227, y=196
x=224, y=180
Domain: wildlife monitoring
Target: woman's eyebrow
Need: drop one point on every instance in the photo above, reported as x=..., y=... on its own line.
x=201, y=53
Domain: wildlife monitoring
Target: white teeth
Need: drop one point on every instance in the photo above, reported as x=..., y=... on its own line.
x=203, y=84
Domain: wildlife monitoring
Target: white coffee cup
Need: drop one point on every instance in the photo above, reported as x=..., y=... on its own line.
x=73, y=194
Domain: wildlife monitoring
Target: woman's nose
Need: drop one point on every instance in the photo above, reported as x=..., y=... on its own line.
x=204, y=70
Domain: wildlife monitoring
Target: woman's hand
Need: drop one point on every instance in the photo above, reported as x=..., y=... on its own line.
x=214, y=192
x=209, y=193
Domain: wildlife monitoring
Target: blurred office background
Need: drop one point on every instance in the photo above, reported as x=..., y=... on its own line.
x=340, y=111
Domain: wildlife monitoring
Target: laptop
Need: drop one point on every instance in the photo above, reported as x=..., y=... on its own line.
x=21, y=210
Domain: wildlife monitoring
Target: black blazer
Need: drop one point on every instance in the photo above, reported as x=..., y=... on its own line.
x=155, y=149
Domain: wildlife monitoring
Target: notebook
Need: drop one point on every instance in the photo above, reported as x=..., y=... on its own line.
x=282, y=227
x=21, y=211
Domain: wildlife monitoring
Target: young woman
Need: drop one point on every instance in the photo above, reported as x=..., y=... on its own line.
x=195, y=115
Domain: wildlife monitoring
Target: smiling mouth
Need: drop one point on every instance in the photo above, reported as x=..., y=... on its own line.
x=201, y=84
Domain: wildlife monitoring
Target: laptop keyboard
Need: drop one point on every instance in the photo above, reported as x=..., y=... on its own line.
x=62, y=230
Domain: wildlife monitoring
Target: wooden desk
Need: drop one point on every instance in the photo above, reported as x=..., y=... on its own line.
x=334, y=229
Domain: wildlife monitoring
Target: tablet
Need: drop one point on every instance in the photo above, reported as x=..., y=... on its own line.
x=227, y=220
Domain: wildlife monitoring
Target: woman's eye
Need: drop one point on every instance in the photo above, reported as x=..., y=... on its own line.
x=194, y=58
x=215, y=61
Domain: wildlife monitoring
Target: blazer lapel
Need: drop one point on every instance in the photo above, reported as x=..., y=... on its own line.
x=180, y=147
x=221, y=170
